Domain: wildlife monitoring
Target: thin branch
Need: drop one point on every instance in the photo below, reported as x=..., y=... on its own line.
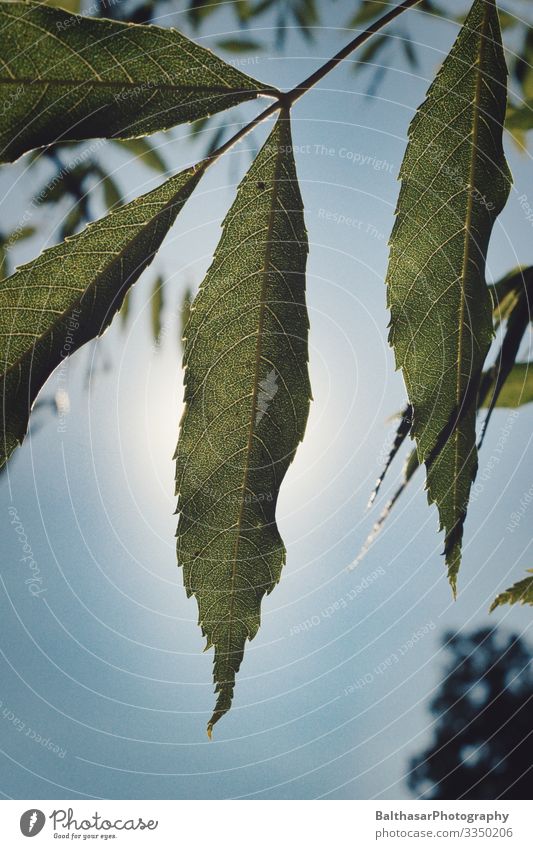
x=360, y=39
x=286, y=99
x=216, y=154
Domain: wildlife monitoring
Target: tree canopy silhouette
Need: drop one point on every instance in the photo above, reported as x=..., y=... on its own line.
x=482, y=746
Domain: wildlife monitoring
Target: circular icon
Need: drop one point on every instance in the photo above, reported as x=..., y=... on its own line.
x=32, y=822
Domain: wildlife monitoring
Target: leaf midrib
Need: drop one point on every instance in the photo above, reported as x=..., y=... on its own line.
x=37, y=81
x=251, y=429
x=466, y=251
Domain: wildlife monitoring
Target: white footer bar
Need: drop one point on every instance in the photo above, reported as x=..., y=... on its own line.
x=257, y=824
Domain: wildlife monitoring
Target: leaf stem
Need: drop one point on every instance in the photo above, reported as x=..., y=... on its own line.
x=299, y=90
x=274, y=107
x=285, y=100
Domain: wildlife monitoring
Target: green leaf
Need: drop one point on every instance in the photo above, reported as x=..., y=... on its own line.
x=520, y=117
x=495, y=378
x=125, y=309
x=69, y=294
x=7, y=241
x=68, y=78
x=144, y=151
x=305, y=14
x=368, y=10
x=242, y=10
x=20, y=234
x=455, y=182
x=263, y=6
x=521, y=592
x=199, y=125
x=200, y=9
x=69, y=5
x=517, y=389
x=72, y=221
x=523, y=68
x=247, y=400
x=505, y=384
x=239, y=45
x=505, y=294
x=507, y=20
x=66, y=182
x=111, y=192
x=157, y=304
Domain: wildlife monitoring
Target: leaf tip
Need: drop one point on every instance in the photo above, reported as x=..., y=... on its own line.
x=453, y=570
x=453, y=561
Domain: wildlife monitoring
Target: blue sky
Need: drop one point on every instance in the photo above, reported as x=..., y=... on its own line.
x=332, y=698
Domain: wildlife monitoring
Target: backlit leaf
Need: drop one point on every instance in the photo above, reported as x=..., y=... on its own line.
x=70, y=293
x=455, y=182
x=247, y=399
x=519, y=593
x=65, y=77
x=69, y=5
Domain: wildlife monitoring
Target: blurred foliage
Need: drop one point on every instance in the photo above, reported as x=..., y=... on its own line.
x=157, y=306
x=68, y=5
x=8, y=240
x=517, y=389
x=145, y=152
x=482, y=724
